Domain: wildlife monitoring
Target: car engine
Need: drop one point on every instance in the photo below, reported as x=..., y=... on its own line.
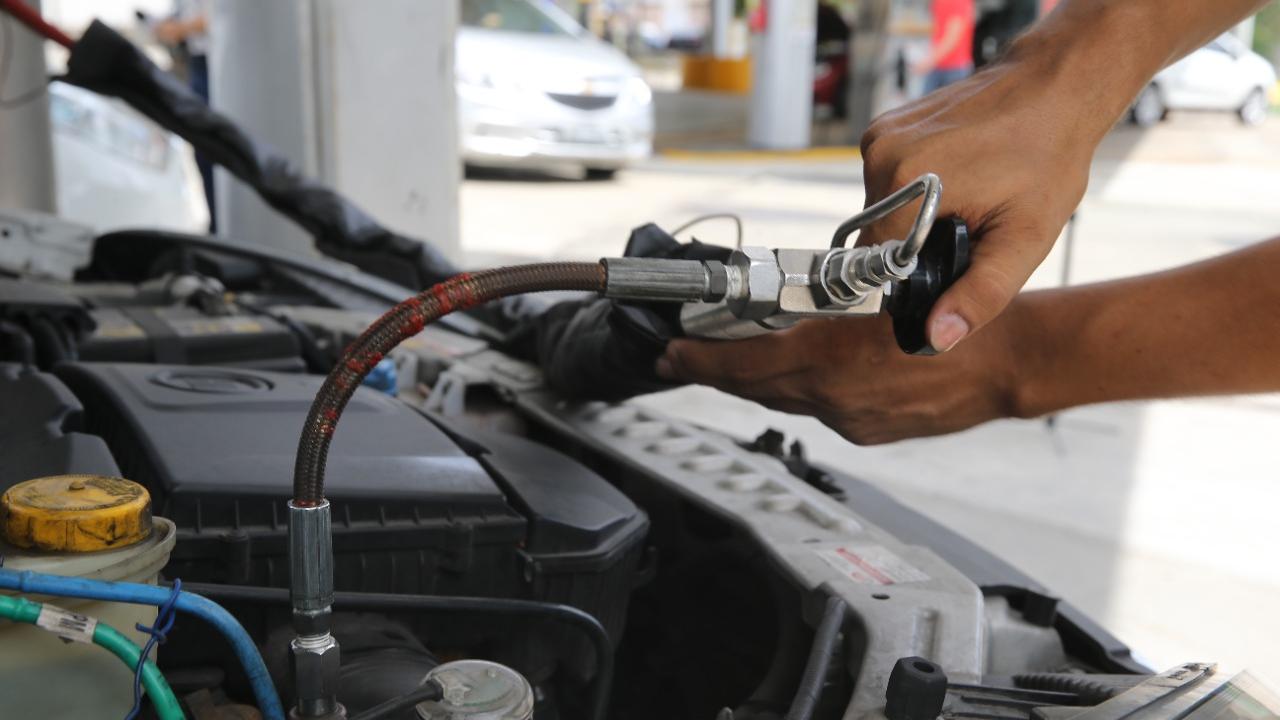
x=621, y=562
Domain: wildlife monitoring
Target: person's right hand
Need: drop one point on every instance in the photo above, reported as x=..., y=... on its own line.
x=1012, y=146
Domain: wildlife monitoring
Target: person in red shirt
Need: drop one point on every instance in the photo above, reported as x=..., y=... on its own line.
x=951, y=45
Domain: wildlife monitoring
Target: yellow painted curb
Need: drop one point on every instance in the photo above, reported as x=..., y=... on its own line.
x=815, y=154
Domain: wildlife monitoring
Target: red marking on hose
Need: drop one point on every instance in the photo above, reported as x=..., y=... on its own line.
x=414, y=325
x=331, y=415
x=442, y=295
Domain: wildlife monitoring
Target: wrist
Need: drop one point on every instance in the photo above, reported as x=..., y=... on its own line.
x=1029, y=378
x=1089, y=63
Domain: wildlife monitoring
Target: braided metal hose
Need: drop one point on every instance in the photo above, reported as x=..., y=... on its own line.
x=404, y=321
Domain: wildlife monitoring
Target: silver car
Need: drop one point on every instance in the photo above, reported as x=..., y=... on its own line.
x=535, y=89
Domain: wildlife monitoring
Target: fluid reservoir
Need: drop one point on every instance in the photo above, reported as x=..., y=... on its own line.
x=478, y=690
x=86, y=526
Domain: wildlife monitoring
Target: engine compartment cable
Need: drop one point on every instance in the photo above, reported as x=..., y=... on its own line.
x=825, y=641
x=581, y=620
x=22, y=610
x=430, y=690
x=264, y=690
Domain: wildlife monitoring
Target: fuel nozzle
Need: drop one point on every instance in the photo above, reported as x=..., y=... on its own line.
x=761, y=289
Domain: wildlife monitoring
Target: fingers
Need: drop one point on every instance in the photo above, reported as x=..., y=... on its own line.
x=1002, y=262
x=756, y=368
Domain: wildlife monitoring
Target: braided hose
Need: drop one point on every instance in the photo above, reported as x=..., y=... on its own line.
x=403, y=321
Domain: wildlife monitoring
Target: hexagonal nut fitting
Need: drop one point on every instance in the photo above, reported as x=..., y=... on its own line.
x=852, y=274
x=315, y=661
x=761, y=283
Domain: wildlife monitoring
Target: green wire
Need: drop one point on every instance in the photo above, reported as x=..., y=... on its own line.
x=22, y=610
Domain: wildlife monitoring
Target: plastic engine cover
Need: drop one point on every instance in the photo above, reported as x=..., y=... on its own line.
x=412, y=510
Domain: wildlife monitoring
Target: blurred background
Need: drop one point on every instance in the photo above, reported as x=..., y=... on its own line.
x=509, y=130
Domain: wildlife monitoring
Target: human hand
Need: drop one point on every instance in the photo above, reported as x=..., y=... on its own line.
x=1012, y=146
x=850, y=374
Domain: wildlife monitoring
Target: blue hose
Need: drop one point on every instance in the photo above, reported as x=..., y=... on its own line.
x=263, y=689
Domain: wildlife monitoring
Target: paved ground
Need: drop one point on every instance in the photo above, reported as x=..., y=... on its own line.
x=1158, y=518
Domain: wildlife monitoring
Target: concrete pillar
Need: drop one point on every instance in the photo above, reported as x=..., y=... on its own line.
x=781, y=109
x=26, y=145
x=868, y=64
x=359, y=95
x=721, y=19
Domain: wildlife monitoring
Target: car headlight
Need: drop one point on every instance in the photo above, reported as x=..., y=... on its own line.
x=638, y=90
x=488, y=81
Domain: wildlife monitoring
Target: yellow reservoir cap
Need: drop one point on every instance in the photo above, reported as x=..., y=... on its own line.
x=76, y=513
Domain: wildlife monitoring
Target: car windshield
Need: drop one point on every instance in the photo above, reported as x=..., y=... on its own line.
x=523, y=16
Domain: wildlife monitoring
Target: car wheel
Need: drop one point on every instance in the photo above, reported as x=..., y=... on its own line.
x=1148, y=109
x=1255, y=107
x=601, y=173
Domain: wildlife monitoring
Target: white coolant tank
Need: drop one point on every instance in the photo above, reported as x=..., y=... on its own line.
x=478, y=690
x=83, y=526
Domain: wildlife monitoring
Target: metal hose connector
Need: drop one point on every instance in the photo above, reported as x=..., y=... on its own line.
x=405, y=320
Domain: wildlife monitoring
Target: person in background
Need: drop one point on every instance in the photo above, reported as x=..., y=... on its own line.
x=951, y=44
x=189, y=28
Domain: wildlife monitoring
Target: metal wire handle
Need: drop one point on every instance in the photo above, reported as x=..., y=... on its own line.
x=930, y=186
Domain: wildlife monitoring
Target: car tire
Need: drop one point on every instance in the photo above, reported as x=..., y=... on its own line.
x=1148, y=109
x=601, y=173
x=1253, y=111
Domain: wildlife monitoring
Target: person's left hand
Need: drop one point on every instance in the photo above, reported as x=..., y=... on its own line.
x=851, y=375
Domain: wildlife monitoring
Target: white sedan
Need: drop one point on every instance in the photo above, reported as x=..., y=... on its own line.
x=1223, y=76
x=536, y=89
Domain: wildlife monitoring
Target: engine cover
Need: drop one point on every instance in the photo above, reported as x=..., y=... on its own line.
x=413, y=512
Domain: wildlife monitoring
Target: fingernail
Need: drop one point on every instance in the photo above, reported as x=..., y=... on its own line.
x=946, y=331
x=664, y=369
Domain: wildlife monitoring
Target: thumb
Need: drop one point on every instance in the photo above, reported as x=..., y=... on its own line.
x=1001, y=264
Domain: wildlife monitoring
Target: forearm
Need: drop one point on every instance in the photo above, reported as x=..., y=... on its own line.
x=1209, y=328
x=1099, y=53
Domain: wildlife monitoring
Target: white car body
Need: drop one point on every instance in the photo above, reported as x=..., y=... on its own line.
x=114, y=168
x=1221, y=76
x=546, y=97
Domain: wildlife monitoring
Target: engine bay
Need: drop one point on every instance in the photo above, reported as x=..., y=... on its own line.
x=623, y=562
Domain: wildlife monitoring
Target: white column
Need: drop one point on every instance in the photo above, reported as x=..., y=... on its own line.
x=359, y=95
x=26, y=147
x=721, y=19
x=781, y=107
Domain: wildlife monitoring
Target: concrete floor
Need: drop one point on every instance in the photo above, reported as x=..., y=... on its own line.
x=1157, y=518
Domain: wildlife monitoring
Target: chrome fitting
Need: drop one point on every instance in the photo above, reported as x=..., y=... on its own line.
x=315, y=653
x=849, y=275
x=755, y=283
x=316, y=660
x=310, y=558
x=664, y=279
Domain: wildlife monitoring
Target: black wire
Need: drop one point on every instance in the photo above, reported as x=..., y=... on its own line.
x=6, y=59
x=737, y=221
x=581, y=620
x=825, y=641
x=430, y=690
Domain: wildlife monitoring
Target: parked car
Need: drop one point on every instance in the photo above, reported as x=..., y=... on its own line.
x=1221, y=76
x=115, y=168
x=535, y=89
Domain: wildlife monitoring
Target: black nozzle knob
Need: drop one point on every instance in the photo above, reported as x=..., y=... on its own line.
x=942, y=260
x=917, y=689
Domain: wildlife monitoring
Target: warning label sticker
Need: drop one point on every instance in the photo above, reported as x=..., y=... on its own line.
x=871, y=565
x=67, y=625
